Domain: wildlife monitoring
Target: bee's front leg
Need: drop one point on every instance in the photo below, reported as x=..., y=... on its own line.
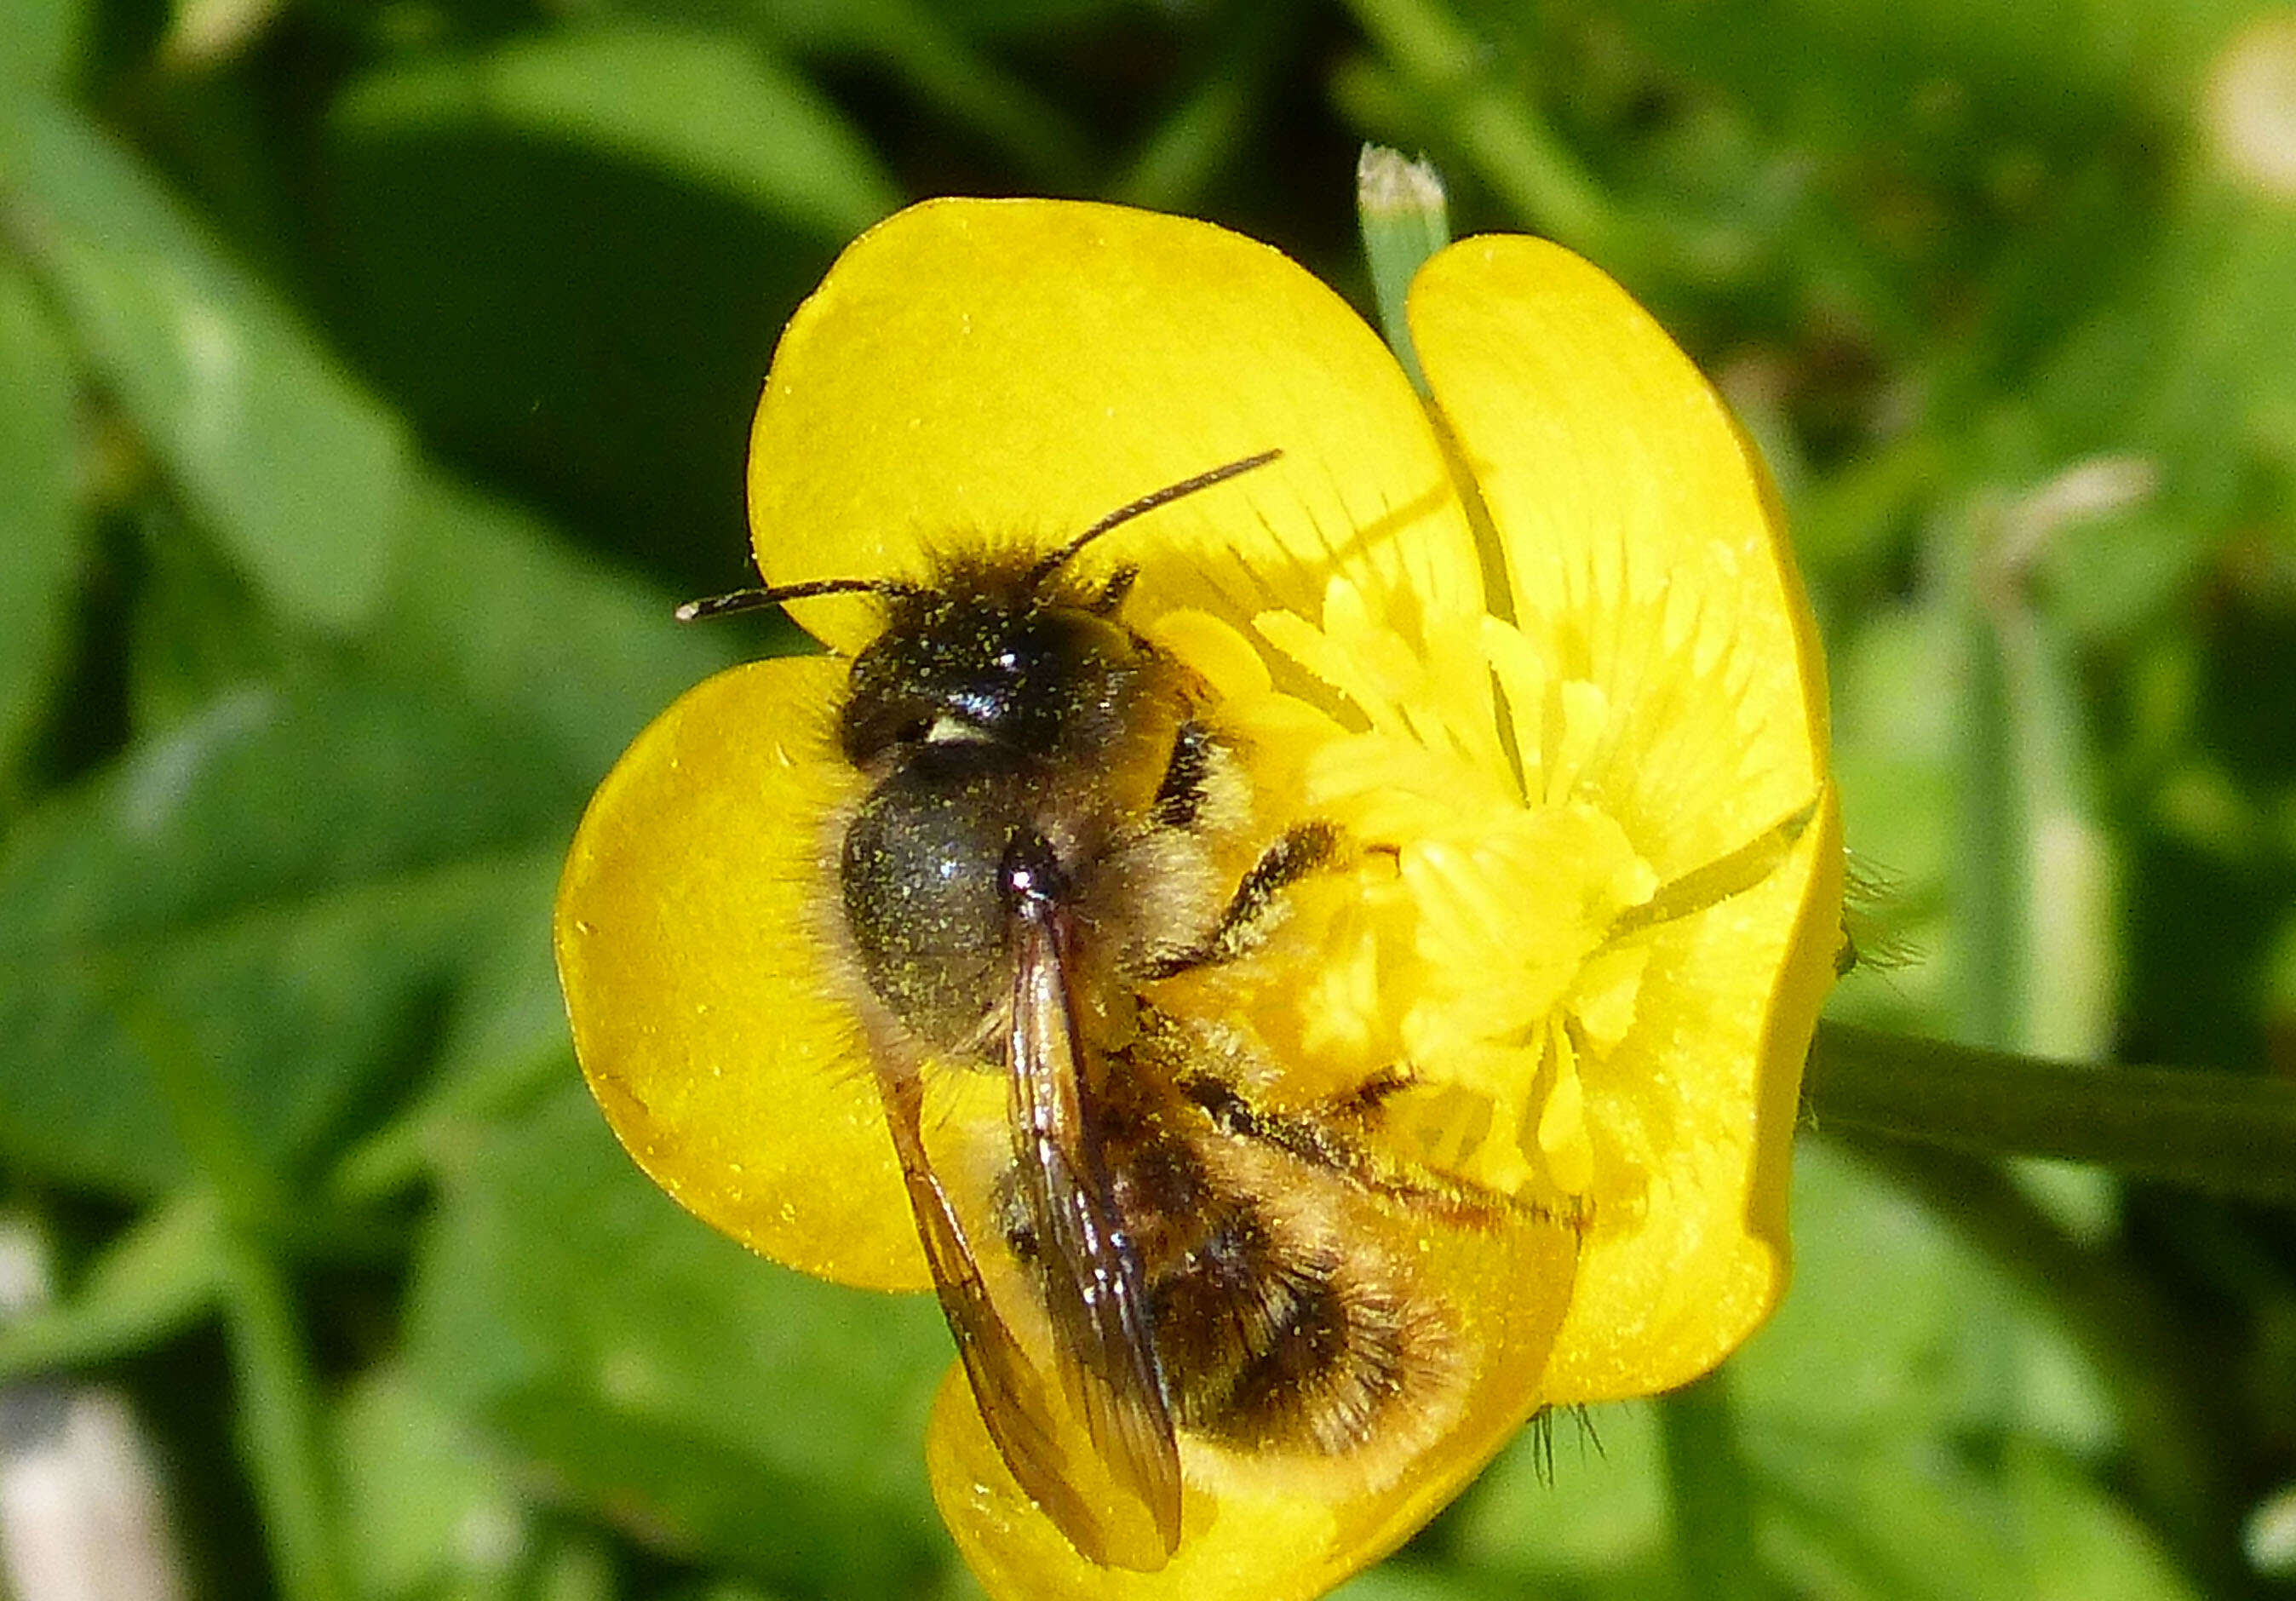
x=1303, y=848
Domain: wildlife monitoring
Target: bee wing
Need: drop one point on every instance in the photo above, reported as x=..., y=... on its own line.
x=1015, y=1405
x=1096, y=1292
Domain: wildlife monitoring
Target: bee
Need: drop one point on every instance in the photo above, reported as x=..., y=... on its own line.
x=1036, y=858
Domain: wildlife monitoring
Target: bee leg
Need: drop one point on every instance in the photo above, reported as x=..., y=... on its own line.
x=1366, y=1099
x=1302, y=850
x=1315, y=1135
x=1337, y=1136
x=1185, y=788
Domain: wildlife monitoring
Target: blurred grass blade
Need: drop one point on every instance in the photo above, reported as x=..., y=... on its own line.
x=2054, y=955
x=2070, y=958
x=1992, y=844
x=1207, y=133
x=158, y=1276
x=932, y=48
x=280, y=1429
x=36, y=512
x=1506, y=137
x=2231, y=1133
x=944, y=70
x=707, y=108
x=299, y=472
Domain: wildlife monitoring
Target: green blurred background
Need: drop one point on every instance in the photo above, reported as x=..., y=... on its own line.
x=374, y=375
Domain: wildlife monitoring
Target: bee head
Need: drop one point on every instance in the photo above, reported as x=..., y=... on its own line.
x=998, y=660
x=993, y=660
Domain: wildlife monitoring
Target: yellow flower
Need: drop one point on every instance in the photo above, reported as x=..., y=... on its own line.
x=1536, y=648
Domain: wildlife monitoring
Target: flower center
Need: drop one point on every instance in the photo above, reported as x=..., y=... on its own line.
x=1471, y=943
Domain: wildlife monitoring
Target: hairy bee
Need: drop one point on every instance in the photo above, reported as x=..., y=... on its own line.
x=1049, y=797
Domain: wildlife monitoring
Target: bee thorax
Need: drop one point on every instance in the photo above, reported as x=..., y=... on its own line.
x=923, y=872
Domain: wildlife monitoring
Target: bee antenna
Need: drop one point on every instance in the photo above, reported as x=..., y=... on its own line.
x=753, y=600
x=1052, y=562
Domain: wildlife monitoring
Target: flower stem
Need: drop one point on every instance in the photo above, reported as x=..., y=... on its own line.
x=280, y=1425
x=2232, y=1133
x=278, y=1395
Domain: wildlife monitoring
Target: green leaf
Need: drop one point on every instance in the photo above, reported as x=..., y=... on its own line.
x=1404, y=1579
x=1713, y=1499
x=261, y=919
x=253, y=920
x=36, y=510
x=503, y=1043
x=594, y=329
x=198, y=631
x=2084, y=1545
x=490, y=600
x=38, y=39
x=299, y=472
x=703, y=107
x=1587, y=1505
x=423, y=1506
x=723, y=1408
x=1882, y=1405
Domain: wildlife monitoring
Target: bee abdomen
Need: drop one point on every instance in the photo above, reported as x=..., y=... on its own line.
x=1265, y=1344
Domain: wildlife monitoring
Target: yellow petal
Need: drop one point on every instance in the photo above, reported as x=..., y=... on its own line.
x=1272, y=1526
x=1013, y=370
x=713, y=1030
x=1672, y=682
x=979, y=373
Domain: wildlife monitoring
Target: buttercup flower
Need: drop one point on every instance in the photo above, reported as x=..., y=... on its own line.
x=1508, y=1079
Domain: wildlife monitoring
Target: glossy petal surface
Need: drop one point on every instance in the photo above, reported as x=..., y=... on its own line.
x=691, y=947
x=1013, y=371
x=1670, y=680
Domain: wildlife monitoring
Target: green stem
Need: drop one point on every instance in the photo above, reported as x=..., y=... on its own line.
x=1712, y=1494
x=1994, y=852
x=2231, y=1133
x=280, y=1425
x=278, y=1396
